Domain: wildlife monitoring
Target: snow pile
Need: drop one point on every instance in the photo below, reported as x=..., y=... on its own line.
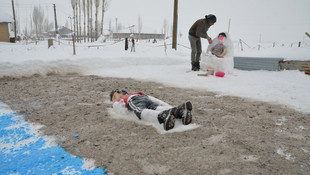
x=5, y=17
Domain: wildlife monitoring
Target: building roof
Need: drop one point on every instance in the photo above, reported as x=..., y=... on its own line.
x=5, y=18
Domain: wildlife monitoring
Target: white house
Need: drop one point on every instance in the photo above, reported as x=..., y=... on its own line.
x=6, y=27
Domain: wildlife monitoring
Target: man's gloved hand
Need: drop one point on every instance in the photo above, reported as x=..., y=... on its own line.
x=209, y=40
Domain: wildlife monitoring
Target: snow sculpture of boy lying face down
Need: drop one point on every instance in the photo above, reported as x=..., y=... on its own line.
x=146, y=107
x=221, y=56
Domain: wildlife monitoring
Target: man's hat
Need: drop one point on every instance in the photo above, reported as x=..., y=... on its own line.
x=211, y=18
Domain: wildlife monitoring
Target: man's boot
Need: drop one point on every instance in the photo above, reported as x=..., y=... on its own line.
x=198, y=65
x=193, y=66
x=183, y=112
x=167, y=117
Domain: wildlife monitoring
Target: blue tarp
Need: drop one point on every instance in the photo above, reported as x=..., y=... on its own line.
x=23, y=151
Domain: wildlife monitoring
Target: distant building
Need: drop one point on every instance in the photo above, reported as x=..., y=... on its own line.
x=6, y=28
x=64, y=32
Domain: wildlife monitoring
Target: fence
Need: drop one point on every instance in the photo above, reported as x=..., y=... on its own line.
x=295, y=65
x=138, y=35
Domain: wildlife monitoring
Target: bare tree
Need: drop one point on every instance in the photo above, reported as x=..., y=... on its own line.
x=47, y=25
x=80, y=24
x=116, y=27
x=180, y=33
x=110, y=27
x=92, y=30
x=105, y=5
x=120, y=26
x=67, y=24
x=91, y=20
x=88, y=20
x=76, y=19
x=165, y=27
x=18, y=19
x=46, y=21
x=31, y=25
x=73, y=7
x=25, y=30
x=97, y=3
x=37, y=17
x=139, y=24
x=84, y=21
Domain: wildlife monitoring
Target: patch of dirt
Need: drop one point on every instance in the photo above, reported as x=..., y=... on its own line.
x=236, y=135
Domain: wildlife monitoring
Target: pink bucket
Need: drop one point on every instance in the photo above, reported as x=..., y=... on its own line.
x=219, y=74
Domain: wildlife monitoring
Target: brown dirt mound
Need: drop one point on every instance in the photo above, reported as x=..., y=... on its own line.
x=236, y=135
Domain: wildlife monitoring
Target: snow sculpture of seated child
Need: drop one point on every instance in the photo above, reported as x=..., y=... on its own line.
x=219, y=55
x=219, y=49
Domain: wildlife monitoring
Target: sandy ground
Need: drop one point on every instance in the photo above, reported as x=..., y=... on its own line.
x=236, y=135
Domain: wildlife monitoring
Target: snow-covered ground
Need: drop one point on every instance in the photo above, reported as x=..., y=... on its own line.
x=151, y=62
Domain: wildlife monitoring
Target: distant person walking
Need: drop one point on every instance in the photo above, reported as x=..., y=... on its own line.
x=126, y=43
x=199, y=30
x=133, y=46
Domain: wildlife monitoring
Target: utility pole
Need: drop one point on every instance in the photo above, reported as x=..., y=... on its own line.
x=229, y=25
x=14, y=19
x=116, y=25
x=56, y=28
x=73, y=41
x=175, y=25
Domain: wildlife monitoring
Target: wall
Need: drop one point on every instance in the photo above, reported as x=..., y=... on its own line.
x=4, y=32
x=257, y=63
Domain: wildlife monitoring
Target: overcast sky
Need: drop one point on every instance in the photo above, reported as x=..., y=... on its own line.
x=252, y=20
